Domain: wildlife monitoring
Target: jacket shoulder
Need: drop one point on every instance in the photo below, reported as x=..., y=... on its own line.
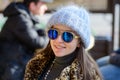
x=34, y=68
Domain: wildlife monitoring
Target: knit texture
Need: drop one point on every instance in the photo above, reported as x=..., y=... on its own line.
x=74, y=17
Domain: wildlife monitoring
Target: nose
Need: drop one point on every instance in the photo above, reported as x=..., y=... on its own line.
x=59, y=39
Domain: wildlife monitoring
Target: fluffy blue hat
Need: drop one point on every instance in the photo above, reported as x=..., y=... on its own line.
x=74, y=17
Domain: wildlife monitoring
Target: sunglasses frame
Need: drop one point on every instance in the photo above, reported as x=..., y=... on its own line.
x=59, y=33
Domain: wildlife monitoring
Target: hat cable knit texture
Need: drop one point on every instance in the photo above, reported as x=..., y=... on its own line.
x=74, y=17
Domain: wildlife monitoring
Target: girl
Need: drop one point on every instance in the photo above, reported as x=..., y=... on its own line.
x=65, y=57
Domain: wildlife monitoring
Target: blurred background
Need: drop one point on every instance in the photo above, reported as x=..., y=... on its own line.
x=104, y=16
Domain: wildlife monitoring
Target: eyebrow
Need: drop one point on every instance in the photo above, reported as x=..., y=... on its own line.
x=63, y=30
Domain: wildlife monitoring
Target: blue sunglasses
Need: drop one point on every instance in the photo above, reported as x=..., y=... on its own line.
x=66, y=36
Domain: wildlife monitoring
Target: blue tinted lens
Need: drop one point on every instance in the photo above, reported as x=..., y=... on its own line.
x=52, y=34
x=67, y=36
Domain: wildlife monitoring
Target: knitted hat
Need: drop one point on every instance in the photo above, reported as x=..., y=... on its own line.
x=74, y=17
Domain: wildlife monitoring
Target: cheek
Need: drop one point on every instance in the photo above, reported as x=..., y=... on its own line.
x=72, y=46
x=75, y=42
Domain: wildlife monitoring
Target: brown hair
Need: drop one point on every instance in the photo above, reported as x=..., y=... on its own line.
x=85, y=60
x=87, y=63
x=27, y=2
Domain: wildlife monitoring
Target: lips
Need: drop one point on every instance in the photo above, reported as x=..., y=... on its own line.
x=59, y=47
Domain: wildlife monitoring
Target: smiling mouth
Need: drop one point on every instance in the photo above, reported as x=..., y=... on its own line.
x=59, y=47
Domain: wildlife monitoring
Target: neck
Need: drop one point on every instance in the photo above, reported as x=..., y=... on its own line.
x=65, y=59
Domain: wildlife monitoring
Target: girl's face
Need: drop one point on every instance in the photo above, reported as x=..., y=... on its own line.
x=59, y=46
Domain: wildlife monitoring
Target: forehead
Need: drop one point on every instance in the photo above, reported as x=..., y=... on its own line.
x=62, y=27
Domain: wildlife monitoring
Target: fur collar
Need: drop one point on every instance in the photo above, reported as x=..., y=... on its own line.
x=36, y=65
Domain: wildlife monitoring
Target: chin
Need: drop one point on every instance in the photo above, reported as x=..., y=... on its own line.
x=59, y=54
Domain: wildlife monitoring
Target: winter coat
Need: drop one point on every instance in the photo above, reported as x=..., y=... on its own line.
x=36, y=66
x=18, y=39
